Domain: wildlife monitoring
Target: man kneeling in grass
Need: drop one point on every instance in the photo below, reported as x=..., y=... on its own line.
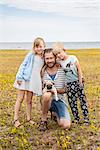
x=56, y=74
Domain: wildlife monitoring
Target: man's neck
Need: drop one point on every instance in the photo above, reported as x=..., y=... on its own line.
x=52, y=70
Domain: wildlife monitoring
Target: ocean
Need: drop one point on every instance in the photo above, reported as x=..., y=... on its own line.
x=67, y=45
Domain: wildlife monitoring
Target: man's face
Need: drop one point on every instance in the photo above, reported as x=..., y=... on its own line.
x=50, y=60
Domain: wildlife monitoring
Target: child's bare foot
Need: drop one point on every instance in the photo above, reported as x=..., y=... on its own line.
x=16, y=123
x=31, y=122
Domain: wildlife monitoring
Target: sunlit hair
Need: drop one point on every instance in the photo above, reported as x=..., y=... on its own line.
x=48, y=50
x=58, y=47
x=37, y=42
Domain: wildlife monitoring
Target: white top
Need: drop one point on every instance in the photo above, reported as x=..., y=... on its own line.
x=70, y=68
x=35, y=83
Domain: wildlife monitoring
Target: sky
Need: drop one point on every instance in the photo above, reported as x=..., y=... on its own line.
x=53, y=20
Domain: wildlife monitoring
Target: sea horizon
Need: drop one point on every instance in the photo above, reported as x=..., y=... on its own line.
x=67, y=45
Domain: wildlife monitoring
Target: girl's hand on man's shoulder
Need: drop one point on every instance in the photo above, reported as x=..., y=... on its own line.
x=58, y=65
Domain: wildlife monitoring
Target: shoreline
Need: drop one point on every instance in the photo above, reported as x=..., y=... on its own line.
x=65, y=49
x=67, y=45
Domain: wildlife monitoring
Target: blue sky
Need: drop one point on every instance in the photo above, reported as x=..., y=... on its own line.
x=54, y=20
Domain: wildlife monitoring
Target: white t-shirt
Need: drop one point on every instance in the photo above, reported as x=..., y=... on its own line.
x=70, y=68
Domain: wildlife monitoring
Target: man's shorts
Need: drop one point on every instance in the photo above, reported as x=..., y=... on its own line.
x=60, y=108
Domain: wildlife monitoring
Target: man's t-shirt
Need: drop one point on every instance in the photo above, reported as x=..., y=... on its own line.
x=59, y=80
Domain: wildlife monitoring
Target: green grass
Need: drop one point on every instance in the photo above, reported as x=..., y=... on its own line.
x=79, y=137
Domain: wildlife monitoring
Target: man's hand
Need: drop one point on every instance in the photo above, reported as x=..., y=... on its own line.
x=19, y=82
x=61, y=91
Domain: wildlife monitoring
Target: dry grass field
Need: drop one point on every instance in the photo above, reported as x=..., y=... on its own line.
x=28, y=137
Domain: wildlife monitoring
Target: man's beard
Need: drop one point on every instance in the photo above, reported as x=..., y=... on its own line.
x=53, y=64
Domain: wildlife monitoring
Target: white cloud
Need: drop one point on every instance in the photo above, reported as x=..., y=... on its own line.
x=20, y=29
x=88, y=8
x=80, y=21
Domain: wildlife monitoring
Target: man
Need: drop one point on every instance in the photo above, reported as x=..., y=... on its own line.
x=54, y=73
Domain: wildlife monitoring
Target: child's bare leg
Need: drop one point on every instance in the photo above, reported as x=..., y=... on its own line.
x=19, y=100
x=29, y=96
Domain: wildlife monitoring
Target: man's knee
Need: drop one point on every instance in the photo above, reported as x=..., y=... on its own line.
x=65, y=124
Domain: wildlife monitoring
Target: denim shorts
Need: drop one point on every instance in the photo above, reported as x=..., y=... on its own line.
x=60, y=108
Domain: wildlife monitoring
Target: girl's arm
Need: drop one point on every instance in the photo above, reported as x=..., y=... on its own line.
x=80, y=75
x=22, y=67
x=43, y=70
x=42, y=74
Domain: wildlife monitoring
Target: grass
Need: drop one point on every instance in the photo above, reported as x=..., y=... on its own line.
x=79, y=137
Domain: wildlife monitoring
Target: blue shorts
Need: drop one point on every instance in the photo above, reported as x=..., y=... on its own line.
x=60, y=108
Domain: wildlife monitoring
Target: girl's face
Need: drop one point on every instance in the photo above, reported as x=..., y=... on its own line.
x=39, y=48
x=61, y=55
